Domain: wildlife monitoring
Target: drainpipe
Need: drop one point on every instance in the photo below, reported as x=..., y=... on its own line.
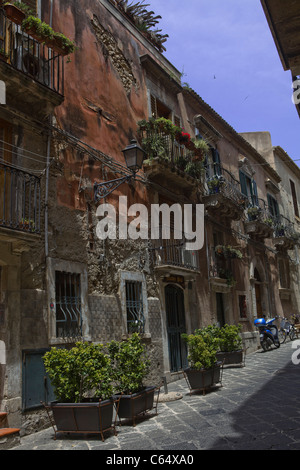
x=48, y=164
x=47, y=190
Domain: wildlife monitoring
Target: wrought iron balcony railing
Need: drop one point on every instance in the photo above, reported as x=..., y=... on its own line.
x=173, y=253
x=20, y=199
x=160, y=144
x=24, y=53
x=220, y=180
x=258, y=210
x=285, y=228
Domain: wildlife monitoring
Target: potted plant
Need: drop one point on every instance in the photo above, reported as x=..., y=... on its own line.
x=269, y=221
x=42, y=32
x=14, y=12
x=228, y=275
x=230, y=344
x=130, y=366
x=81, y=377
x=194, y=169
x=204, y=371
x=214, y=184
x=253, y=212
x=231, y=252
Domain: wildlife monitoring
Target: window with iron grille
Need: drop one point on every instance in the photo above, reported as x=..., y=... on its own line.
x=68, y=304
x=134, y=307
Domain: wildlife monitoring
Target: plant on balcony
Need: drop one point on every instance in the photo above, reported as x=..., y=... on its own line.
x=201, y=147
x=183, y=137
x=280, y=230
x=42, y=32
x=253, y=212
x=215, y=183
x=231, y=252
x=154, y=146
x=14, y=12
x=160, y=125
x=228, y=252
x=269, y=221
x=27, y=224
x=228, y=275
x=194, y=169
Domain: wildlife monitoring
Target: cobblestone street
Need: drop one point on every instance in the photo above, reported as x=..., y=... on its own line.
x=258, y=408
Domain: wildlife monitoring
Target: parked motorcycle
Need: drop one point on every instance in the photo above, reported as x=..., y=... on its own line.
x=268, y=333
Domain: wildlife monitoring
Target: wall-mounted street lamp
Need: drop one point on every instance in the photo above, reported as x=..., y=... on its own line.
x=134, y=157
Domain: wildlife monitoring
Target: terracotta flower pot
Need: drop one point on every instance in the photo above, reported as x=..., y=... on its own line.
x=14, y=13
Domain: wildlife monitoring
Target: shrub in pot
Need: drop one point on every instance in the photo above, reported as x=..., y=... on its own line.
x=81, y=377
x=204, y=370
x=230, y=344
x=130, y=367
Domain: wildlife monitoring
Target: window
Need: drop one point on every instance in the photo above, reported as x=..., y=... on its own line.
x=243, y=306
x=134, y=307
x=284, y=275
x=249, y=188
x=68, y=304
x=273, y=206
x=294, y=196
x=159, y=109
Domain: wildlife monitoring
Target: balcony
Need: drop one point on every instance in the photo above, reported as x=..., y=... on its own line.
x=260, y=223
x=171, y=163
x=285, y=236
x=221, y=276
x=19, y=201
x=170, y=256
x=223, y=194
x=32, y=71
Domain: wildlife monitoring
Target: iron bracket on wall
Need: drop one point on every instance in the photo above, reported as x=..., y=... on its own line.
x=102, y=190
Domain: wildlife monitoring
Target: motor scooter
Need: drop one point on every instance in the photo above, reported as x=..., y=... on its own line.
x=268, y=333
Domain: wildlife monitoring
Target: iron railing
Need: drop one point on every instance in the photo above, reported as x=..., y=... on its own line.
x=170, y=252
x=159, y=144
x=135, y=307
x=285, y=228
x=24, y=53
x=220, y=180
x=259, y=210
x=20, y=199
x=68, y=305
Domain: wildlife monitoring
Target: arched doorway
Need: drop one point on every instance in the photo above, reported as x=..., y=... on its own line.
x=175, y=315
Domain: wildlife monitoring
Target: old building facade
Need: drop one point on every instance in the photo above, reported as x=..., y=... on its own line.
x=63, y=129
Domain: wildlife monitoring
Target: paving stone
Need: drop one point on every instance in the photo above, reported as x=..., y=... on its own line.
x=256, y=409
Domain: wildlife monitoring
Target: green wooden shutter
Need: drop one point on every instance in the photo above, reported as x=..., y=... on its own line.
x=254, y=194
x=243, y=182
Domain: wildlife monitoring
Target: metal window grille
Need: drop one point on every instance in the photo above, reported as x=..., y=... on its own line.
x=134, y=307
x=68, y=305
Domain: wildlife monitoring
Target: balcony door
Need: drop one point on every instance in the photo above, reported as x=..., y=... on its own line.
x=5, y=176
x=175, y=314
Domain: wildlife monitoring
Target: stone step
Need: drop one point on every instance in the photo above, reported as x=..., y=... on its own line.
x=8, y=431
x=9, y=437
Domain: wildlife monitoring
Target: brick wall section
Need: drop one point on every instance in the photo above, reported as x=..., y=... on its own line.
x=106, y=318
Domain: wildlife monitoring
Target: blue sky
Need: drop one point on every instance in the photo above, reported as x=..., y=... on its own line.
x=226, y=53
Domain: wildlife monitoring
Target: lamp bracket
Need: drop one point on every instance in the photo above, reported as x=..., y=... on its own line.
x=102, y=190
